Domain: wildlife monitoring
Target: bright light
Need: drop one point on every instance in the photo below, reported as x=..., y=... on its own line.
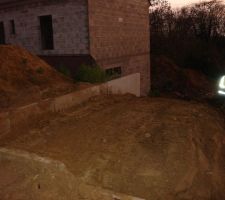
x=222, y=86
x=222, y=83
x=221, y=92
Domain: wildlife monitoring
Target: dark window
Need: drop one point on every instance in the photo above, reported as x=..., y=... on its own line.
x=2, y=33
x=46, y=32
x=113, y=73
x=12, y=27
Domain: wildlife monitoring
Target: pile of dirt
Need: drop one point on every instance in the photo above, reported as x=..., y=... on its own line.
x=169, y=79
x=152, y=148
x=25, y=78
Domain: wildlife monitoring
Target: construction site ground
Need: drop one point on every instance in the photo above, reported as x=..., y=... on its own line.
x=151, y=148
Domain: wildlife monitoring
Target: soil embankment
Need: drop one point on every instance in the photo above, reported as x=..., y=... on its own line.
x=152, y=148
x=25, y=78
x=168, y=79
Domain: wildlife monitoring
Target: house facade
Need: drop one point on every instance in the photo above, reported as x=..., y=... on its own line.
x=114, y=34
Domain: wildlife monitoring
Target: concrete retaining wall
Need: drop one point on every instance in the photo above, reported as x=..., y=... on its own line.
x=128, y=84
x=20, y=117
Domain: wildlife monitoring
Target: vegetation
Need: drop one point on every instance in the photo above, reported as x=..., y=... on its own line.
x=91, y=74
x=64, y=70
x=193, y=36
x=88, y=73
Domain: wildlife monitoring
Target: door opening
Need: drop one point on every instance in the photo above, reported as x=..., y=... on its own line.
x=2, y=33
x=46, y=32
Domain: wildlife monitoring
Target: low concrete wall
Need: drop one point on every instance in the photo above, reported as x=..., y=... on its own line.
x=66, y=101
x=127, y=84
x=21, y=116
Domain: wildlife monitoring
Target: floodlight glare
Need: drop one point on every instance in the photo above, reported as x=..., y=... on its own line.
x=221, y=92
x=222, y=83
x=222, y=86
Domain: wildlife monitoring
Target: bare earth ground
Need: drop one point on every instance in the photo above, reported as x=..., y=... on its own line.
x=153, y=148
x=25, y=78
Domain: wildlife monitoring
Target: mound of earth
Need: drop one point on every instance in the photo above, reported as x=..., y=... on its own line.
x=25, y=77
x=168, y=78
x=151, y=148
x=30, y=177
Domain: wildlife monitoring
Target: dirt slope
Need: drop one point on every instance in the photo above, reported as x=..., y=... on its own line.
x=169, y=79
x=25, y=78
x=151, y=148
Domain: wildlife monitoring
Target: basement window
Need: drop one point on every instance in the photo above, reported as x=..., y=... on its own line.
x=12, y=27
x=114, y=72
x=2, y=33
x=46, y=32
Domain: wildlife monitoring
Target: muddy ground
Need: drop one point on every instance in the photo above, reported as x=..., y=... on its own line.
x=152, y=148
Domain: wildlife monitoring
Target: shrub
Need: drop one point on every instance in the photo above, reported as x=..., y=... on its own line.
x=91, y=74
x=64, y=70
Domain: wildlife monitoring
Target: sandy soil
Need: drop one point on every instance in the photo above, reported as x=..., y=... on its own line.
x=153, y=148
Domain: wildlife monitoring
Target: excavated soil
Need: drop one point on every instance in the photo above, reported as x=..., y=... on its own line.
x=168, y=79
x=152, y=148
x=25, y=78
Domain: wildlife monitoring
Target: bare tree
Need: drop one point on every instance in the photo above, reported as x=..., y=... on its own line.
x=204, y=20
x=162, y=18
x=193, y=36
x=208, y=19
x=155, y=2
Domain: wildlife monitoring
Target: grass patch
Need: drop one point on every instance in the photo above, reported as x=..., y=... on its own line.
x=91, y=74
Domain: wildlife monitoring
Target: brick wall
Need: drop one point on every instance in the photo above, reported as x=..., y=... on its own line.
x=119, y=36
x=70, y=26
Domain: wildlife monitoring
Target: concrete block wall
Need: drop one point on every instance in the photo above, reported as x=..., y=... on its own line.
x=115, y=33
x=70, y=26
x=119, y=36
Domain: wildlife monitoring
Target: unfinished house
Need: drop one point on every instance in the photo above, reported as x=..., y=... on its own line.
x=112, y=33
